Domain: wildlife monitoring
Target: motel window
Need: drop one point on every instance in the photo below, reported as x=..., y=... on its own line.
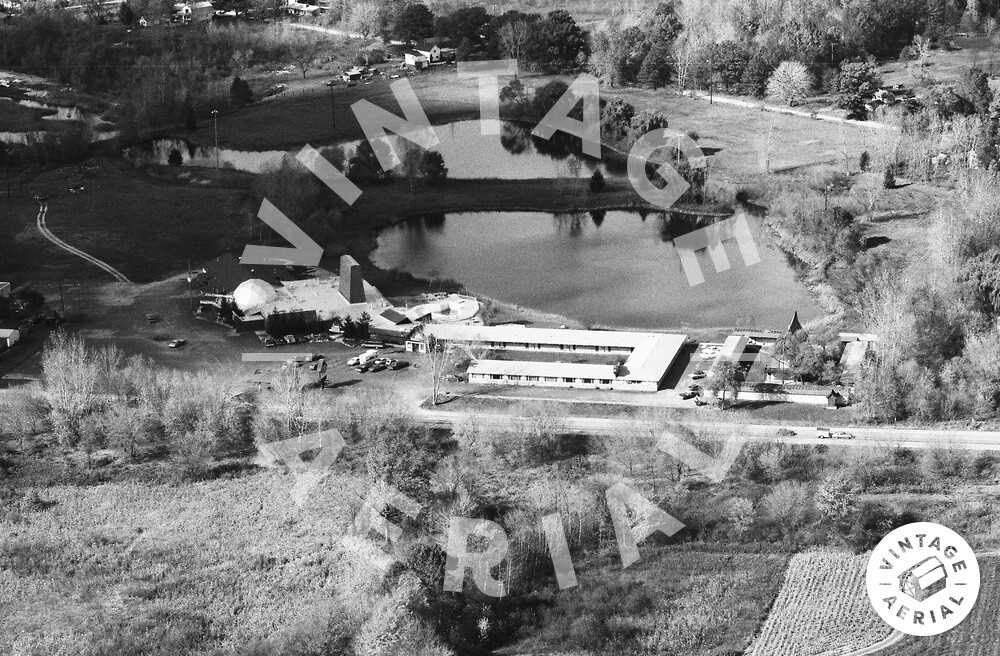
x=496, y=376
x=512, y=377
x=588, y=381
x=567, y=380
x=551, y=379
x=533, y=379
x=605, y=381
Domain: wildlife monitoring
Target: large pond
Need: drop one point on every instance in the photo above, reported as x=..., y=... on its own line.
x=513, y=154
x=615, y=269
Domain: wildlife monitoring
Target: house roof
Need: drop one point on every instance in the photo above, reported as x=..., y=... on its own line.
x=543, y=369
x=7, y=332
x=395, y=317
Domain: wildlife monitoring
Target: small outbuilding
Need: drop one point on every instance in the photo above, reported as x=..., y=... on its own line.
x=4, y=290
x=9, y=337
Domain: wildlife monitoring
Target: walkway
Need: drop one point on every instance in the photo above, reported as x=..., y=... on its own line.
x=43, y=210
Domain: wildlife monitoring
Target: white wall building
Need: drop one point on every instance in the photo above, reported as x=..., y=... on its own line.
x=647, y=357
x=9, y=337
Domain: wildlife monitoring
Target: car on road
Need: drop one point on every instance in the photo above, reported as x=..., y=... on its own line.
x=843, y=435
x=177, y=343
x=784, y=432
x=688, y=394
x=827, y=434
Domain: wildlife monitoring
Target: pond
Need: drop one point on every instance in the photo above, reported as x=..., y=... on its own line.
x=512, y=155
x=615, y=269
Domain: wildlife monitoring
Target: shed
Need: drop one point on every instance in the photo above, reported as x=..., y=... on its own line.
x=9, y=337
x=834, y=400
x=4, y=290
x=415, y=59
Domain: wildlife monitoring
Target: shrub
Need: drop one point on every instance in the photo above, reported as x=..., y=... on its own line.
x=864, y=160
x=175, y=158
x=789, y=83
x=240, y=92
x=889, y=179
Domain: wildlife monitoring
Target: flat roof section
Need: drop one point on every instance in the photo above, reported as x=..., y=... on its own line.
x=323, y=295
x=543, y=369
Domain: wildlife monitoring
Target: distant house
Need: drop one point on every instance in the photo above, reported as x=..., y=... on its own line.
x=4, y=290
x=9, y=337
x=296, y=8
x=431, y=51
x=352, y=75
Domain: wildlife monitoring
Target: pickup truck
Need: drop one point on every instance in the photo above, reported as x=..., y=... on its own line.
x=827, y=434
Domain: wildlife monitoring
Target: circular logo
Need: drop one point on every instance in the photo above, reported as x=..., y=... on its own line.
x=923, y=579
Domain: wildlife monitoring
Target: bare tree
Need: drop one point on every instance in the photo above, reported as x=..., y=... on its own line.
x=71, y=377
x=514, y=38
x=365, y=18
x=437, y=354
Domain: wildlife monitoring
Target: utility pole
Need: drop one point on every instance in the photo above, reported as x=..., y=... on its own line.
x=6, y=166
x=333, y=106
x=215, y=118
x=62, y=301
x=190, y=294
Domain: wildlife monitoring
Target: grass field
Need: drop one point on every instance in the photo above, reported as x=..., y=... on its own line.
x=175, y=569
x=676, y=600
x=144, y=227
x=822, y=607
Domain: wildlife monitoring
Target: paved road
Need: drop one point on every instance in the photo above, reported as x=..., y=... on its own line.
x=865, y=437
x=43, y=210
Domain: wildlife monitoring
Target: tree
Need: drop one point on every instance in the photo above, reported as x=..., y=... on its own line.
x=438, y=354
x=175, y=158
x=975, y=87
x=514, y=36
x=409, y=161
x=304, y=51
x=127, y=15
x=432, y=168
x=240, y=91
x=726, y=377
x=858, y=83
x=561, y=42
x=414, y=23
x=656, y=67
x=790, y=83
x=597, y=181
x=71, y=377
x=364, y=18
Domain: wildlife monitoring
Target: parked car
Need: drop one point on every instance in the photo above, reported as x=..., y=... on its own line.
x=152, y=318
x=688, y=394
x=177, y=343
x=694, y=388
x=399, y=364
x=698, y=375
x=378, y=366
x=451, y=378
x=353, y=362
x=363, y=369
x=269, y=342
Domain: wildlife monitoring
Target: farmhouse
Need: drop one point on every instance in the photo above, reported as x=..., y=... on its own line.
x=646, y=357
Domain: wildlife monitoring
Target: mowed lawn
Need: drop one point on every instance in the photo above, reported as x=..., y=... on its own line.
x=145, y=228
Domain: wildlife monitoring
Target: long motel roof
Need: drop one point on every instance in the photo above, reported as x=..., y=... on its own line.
x=651, y=353
x=543, y=369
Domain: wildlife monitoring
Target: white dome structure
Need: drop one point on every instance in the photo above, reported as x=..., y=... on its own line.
x=252, y=294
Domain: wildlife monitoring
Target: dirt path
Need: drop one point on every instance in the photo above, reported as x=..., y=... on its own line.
x=43, y=210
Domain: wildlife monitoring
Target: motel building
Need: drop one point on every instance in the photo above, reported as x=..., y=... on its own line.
x=647, y=357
